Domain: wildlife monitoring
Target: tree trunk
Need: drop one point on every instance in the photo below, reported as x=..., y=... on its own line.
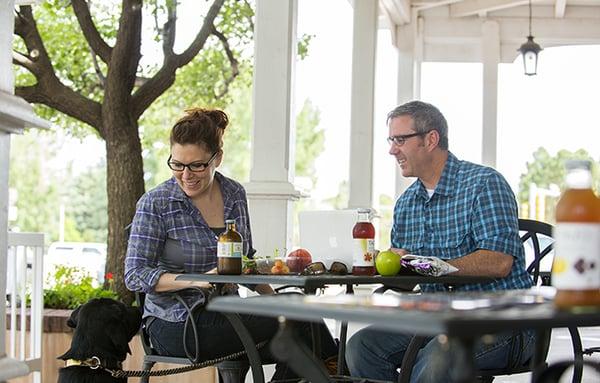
x=125, y=185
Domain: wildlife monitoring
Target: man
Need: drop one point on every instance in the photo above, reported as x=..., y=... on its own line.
x=461, y=212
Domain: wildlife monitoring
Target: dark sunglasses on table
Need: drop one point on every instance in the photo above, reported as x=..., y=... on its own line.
x=318, y=268
x=196, y=166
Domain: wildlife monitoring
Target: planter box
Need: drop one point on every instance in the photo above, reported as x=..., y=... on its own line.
x=57, y=339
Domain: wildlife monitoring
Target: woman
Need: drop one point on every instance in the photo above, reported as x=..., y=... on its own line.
x=175, y=230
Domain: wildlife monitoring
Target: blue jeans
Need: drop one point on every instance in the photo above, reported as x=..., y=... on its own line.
x=377, y=354
x=218, y=338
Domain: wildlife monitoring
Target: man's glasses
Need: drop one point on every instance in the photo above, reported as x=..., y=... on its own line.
x=318, y=268
x=193, y=167
x=400, y=139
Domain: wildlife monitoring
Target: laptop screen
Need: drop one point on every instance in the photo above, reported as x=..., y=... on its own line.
x=327, y=235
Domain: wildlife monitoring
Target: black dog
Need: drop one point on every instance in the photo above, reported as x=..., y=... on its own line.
x=103, y=329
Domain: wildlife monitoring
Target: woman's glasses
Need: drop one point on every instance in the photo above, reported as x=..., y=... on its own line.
x=194, y=166
x=318, y=268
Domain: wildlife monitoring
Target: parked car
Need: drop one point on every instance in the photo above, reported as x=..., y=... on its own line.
x=89, y=257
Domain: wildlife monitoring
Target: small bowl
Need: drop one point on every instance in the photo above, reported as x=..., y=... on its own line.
x=265, y=265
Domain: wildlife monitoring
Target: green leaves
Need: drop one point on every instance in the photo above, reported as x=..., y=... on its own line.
x=546, y=170
x=72, y=288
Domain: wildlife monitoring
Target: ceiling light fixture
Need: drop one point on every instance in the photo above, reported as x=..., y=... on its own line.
x=530, y=51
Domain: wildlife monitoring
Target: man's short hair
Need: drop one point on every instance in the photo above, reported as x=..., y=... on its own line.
x=426, y=117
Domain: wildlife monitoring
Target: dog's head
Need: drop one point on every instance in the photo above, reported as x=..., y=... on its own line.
x=103, y=328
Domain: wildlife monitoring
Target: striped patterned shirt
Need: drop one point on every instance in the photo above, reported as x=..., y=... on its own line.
x=471, y=208
x=166, y=219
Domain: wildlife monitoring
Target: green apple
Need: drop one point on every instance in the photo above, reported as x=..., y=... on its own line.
x=387, y=263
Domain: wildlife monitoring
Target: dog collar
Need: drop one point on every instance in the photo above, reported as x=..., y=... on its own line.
x=93, y=363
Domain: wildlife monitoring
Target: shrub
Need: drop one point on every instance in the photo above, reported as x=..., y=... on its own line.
x=72, y=288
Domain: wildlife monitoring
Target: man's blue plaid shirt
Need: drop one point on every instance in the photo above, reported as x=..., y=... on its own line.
x=165, y=212
x=471, y=208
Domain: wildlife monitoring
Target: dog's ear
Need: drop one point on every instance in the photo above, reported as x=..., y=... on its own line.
x=74, y=318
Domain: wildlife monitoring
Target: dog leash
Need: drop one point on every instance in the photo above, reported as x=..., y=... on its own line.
x=94, y=363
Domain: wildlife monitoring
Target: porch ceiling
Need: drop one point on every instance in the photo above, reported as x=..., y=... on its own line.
x=451, y=30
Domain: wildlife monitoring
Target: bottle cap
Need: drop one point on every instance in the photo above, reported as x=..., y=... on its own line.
x=578, y=164
x=229, y=221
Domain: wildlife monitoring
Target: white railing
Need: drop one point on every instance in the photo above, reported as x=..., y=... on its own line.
x=25, y=282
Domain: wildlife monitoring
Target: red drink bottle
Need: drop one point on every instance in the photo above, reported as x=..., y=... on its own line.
x=364, y=245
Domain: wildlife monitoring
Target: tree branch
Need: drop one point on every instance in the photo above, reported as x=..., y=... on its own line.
x=97, y=69
x=169, y=30
x=125, y=55
x=235, y=71
x=65, y=100
x=26, y=28
x=23, y=60
x=49, y=90
x=200, y=39
x=165, y=76
x=250, y=18
x=90, y=32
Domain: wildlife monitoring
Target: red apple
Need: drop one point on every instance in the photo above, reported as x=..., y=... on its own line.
x=298, y=259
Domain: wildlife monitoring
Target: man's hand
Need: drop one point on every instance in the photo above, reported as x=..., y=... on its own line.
x=400, y=252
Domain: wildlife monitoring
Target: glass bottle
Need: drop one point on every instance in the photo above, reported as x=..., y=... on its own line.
x=229, y=250
x=364, y=244
x=576, y=265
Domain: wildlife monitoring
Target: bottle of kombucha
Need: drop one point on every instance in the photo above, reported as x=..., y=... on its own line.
x=576, y=265
x=229, y=250
x=364, y=244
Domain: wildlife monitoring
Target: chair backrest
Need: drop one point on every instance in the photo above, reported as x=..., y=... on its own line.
x=537, y=236
x=140, y=298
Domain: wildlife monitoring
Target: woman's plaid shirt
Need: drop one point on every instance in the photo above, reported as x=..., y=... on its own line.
x=167, y=213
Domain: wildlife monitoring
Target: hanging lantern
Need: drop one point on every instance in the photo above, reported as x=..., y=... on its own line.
x=530, y=50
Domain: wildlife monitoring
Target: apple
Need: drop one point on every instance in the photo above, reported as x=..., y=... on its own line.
x=298, y=259
x=387, y=263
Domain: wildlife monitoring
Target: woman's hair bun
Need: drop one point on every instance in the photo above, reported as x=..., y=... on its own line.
x=218, y=117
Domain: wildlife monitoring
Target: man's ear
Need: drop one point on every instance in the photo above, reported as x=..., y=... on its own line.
x=432, y=139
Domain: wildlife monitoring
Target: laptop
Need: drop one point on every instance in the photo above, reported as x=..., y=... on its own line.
x=327, y=235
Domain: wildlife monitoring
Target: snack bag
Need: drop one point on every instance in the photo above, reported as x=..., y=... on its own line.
x=430, y=266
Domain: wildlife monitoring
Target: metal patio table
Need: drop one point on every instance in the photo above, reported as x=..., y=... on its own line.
x=310, y=283
x=462, y=326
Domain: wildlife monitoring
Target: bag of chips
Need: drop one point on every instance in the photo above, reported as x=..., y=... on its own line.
x=430, y=266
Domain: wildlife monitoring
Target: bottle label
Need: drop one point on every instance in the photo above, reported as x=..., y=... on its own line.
x=576, y=264
x=229, y=249
x=364, y=252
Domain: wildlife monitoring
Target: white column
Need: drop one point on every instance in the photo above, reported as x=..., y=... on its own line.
x=362, y=103
x=9, y=368
x=270, y=190
x=408, y=81
x=14, y=114
x=490, y=49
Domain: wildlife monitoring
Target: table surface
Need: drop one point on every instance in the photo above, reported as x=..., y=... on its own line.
x=318, y=281
x=421, y=314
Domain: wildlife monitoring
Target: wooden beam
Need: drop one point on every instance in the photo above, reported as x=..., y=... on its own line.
x=475, y=7
x=559, y=8
x=397, y=10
